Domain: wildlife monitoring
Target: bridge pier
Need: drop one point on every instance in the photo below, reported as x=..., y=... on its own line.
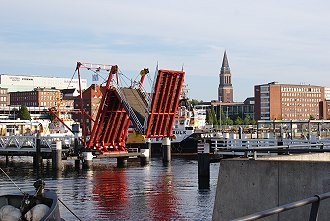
x=122, y=162
x=145, y=152
x=148, y=146
x=57, y=156
x=87, y=160
x=166, y=149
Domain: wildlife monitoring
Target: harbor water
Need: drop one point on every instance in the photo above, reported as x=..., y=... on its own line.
x=152, y=192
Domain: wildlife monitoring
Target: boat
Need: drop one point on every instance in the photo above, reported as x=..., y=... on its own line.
x=39, y=205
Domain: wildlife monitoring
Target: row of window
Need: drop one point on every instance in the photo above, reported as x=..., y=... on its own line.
x=300, y=89
x=299, y=94
x=301, y=104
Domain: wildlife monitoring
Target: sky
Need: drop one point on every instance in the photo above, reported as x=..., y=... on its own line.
x=274, y=40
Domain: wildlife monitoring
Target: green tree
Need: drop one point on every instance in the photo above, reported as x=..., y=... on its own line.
x=311, y=117
x=23, y=113
x=238, y=121
x=211, y=117
x=253, y=122
x=230, y=121
x=194, y=102
x=246, y=120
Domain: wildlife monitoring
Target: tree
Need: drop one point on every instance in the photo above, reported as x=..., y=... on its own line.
x=23, y=113
x=210, y=116
x=194, y=102
x=238, y=121
x=311, y=117
x=247, y=120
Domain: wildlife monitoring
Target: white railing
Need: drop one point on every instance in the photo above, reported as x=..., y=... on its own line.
x=24, y=143
x=221, y=145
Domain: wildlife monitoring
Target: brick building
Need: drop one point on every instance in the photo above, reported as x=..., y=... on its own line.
x=4, y=97
x=39, y=97
x=288, y=102
x=91, y=100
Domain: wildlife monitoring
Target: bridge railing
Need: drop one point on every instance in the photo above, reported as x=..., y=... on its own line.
x=315, y=201
x=20, y=142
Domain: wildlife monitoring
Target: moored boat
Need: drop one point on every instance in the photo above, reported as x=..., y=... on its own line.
x=32, y=206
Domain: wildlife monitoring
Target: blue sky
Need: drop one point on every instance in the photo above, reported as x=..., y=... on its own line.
x=275, y=40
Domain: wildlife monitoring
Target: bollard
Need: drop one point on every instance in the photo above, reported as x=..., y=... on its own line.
x=121, y=162
x=57, y=156
x=166, y=149
x=87, y=160
x=204, y=167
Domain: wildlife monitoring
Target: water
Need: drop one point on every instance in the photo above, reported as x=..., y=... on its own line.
x=153, y=192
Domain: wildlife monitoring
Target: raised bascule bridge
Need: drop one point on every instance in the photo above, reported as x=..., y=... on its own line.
x=151, y=114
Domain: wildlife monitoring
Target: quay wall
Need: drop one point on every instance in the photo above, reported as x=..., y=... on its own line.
x=248, y=186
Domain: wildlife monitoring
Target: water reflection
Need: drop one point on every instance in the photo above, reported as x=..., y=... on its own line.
x=163, y=201
x=153, y=192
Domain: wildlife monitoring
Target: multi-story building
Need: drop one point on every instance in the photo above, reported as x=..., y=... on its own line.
x=39, y=97
x=288, y=101
x=237, y=109
x=91, y=98
x=225, y=89
x=28, y=83
x=4, y=97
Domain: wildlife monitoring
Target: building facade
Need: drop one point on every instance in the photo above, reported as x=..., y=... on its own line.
x=28, y=83
x=91, y=100
x=39, y=97
x=274, y=101
x=4, y=97
x=225, y=89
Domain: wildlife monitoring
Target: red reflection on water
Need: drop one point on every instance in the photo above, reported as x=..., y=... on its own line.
x=163, y=202
x=110, y=190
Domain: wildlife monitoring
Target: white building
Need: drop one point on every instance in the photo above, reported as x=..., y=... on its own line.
x=28, y=83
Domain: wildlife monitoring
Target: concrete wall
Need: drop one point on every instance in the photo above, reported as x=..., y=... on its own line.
x=249, y=186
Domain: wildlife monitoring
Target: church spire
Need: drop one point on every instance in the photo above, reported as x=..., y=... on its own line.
x=225, y=61
x=225, y=89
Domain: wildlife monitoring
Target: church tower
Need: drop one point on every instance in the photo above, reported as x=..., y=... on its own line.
x=225, y=90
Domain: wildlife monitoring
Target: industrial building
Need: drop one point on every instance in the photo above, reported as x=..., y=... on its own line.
x=28, y=83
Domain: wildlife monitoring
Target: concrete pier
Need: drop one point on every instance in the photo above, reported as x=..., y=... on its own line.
x=57, y=156
x=148, y=146
x=122, y=162
x=87, y=160
x=166, y=149
x=145, y=157
x=248, y=186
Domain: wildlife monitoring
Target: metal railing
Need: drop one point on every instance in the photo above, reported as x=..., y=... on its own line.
x=20, y=143
x=129, y=109
x=315, y=201
x=247, y=147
